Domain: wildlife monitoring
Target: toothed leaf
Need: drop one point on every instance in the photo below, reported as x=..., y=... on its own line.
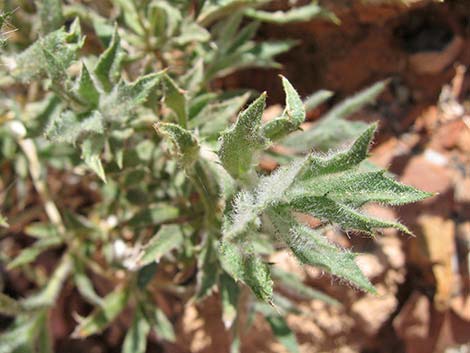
x=243, y=140
x=248, y=268
x=91, y=154
x=109, y=63
x=291, y=118
x=186, y=144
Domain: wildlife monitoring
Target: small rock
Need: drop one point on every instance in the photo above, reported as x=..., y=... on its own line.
x=439, y=237
x=370, y=265
x=412, y=323
x=371, y=311
x=435, y=157
x=392, y=249
x=426, y=176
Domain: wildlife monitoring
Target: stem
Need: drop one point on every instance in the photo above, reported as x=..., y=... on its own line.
x=29, y=149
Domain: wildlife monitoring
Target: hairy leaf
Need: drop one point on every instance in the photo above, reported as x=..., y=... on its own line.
x=312, y=248
x=279, y=327
x=213, y=10
x=291, y=118
x=60, y=45
x=9, y=306
x=348, y=217
x=69, y=127
x=50, y=13
x=297, y=14
x=111, y=307
x=126, y=97
x=136, y=337
x=213, y=118
x=207, y=274
x=49, y=294
x=84, y=283
x=332, y=129
x=357, y=188
x=160, y=323
x=91, y=154
x=86, y=89
x=243, y=140
x=109, y=63
x=3, y=222
x=186, y=144
x=294, y=285
x=168, y=238
x=175, y=100
x=248, y=268
x=229, y=292
x=30, y=253
x=22, y=334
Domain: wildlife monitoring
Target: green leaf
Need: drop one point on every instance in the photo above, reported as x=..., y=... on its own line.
x=213, y=10
x=108, y=67
x=136, y=337
x=314, y=100
x=9, y=306
x=270, y=191
x=164, y=19
x=50, y=14
x=84, y=284
x=248, y=268
x=61, y=45
x=187, y=146
x=91, y=154
x=54, y=68
x=357, y=188
x=243, y=140
x=113, y=304
x=229, y=293
x=69, y=127
x=213, y=118
x=131, y=15
x=282, y=332
x=126, y=97
x=175, y=99
x=250, y=55
x=356, y=102
x=86, y=89
x=332, y=129
x=296, y=14
x=3, y=222
x=42, y=230
x=191, y=32
x=347, y=217
x=48, y=295
x=30, y=253
x=20, y=336
x=344, y=160
x=160, y=323
x=291, y=118
x=43, y=342
x=153, y=215
x=312, y=248
x=168, y=238
x=146, y=274
x=207, y=269
x=294, y=285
